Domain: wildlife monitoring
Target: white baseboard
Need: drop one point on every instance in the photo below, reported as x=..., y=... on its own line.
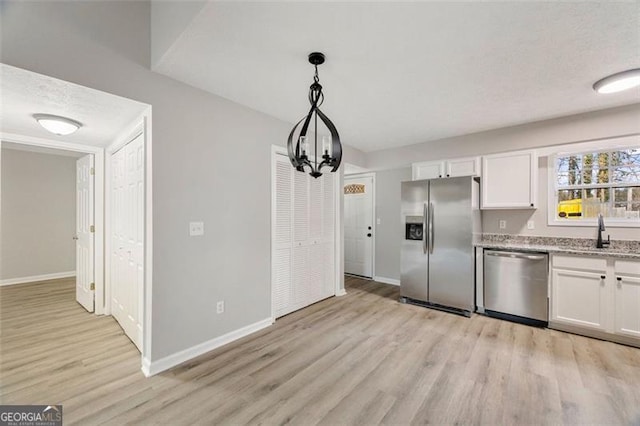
x=146, y=367
x=341, y=292
x=151, y=368
x=384, y=280
x=35, y=278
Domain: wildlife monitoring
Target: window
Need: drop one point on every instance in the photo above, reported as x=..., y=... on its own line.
x=599, y=182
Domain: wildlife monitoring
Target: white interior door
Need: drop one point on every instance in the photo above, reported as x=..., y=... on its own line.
x=358, y=226
x=84, y=232
x=127, y=237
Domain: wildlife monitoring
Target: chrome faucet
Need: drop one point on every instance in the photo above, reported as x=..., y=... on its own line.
x=600, y=243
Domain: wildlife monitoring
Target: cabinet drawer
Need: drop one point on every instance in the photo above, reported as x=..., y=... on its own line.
x=580, y=262
x=627, y=267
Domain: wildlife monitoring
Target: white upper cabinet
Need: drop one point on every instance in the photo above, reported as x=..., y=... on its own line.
x=469, y=166
x=427, y=170
x=509, y=180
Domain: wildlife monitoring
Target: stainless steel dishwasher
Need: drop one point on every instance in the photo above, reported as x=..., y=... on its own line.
x=516, y=286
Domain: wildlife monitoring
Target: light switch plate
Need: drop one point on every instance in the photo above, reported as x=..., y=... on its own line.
x=378, y=221
x=531, y=224
x=196, y=229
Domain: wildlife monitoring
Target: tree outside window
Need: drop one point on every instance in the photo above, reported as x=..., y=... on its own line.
x=593, y=183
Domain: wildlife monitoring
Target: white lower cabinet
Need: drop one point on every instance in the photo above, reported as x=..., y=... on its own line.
x=627, y=298
x=579, y=298
x=596, y=294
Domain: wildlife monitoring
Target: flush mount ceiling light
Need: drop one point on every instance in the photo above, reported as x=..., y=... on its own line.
x=618, y=82
x=301, y=155
x=55, y=124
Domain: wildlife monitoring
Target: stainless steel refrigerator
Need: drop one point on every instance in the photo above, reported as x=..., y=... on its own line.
x=441, y=219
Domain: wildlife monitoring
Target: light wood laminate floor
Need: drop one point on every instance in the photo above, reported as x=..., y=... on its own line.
x=363, y=358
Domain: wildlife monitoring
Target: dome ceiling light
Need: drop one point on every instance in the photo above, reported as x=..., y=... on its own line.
x=618, y=82
x=61, y=126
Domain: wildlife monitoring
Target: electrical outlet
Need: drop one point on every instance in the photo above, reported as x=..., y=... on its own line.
x=378, y=221
x=531, y=225
x=196, y=229
x=220, y=307
x=503, y=224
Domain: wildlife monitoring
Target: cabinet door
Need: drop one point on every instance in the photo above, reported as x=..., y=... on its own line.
x=579, y=298
x=463, y=167
x=627, y=296
x=428, y=170
x=509, y=180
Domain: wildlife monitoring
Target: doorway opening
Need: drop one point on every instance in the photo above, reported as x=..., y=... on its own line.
x=359, y=224
x=113, y=133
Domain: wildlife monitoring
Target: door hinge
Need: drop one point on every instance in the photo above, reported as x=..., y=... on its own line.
x=92, y=171
x=92, y=229
x=92, y=286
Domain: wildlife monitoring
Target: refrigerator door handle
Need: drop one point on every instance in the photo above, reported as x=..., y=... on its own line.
x=425, y=212
x=431, y=236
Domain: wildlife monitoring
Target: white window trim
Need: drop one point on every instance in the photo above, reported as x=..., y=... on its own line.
x=552, y=196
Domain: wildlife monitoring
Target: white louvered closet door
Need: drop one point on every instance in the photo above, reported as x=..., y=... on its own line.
x=283, y=236
x=300, y=257
x=328, y=233
x=303, y=269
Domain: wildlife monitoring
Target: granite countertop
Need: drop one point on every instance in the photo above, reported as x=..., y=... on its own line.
x=579, y=246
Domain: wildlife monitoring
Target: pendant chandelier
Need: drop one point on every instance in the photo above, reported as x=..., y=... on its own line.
x=302, y=154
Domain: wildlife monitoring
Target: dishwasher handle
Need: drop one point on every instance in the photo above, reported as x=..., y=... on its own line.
x=518, y=255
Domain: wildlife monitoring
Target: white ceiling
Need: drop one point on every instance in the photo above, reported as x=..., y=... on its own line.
x=403, y=73
x=24, y=93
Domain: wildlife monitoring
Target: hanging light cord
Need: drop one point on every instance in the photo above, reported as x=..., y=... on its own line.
x=316, y=97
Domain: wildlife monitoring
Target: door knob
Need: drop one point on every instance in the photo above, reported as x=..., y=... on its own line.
x=369, y=234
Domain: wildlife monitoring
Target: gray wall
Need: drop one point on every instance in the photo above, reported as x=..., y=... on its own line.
x=389, y=232
x=388, y=237
x=168, y=20
x=211, y=162
x=602, y=124
x=517, y=219
x=38, y=214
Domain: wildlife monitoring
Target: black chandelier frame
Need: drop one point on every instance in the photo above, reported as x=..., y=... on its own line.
x=300, y=158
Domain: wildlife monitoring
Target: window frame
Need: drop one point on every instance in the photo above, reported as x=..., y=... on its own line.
x=553, y=188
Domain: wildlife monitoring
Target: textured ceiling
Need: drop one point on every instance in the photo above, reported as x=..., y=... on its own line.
x=24, y=93
x=403, y=73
